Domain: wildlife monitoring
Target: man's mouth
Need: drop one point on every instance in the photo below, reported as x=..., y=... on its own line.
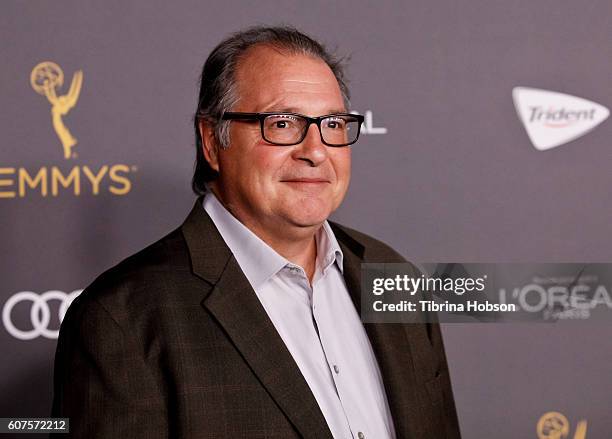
x=306, y=180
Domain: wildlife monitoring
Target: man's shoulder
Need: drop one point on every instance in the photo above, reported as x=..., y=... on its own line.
x=142, y=278
x=365, y=246
x=167, y=255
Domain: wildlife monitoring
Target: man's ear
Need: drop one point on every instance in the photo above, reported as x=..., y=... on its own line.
x=210, y=146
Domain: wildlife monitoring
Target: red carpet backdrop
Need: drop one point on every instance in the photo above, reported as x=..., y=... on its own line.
x=486, y=140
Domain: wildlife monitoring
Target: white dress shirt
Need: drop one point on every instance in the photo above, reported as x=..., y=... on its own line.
x=319, y=325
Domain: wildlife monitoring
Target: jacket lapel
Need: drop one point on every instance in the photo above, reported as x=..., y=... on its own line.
x=234, y=304
x=389, y=341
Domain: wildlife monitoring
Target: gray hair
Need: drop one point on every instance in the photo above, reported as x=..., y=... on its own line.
x=218, y=88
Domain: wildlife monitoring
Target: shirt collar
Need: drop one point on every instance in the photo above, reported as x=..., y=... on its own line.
x=328, y=249
x=258, y=260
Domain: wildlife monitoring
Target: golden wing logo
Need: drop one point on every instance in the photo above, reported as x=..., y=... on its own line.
x=46, y=79
x=554, y=425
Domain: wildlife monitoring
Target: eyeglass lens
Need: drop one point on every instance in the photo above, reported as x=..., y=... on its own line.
x=291, y=129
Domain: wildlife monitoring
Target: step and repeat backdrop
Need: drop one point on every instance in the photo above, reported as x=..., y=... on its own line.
x=486, y=140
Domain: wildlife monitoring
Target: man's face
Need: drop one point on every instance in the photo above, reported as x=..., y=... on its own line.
x=277, y=189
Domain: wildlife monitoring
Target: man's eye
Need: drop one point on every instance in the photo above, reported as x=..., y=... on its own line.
x=281, y=123
x=335, y=124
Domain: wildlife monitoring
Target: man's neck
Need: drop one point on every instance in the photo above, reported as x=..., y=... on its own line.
x=302, y=253
x=298, y=249
x=297, y=245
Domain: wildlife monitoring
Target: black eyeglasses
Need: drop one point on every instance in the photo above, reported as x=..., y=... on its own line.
x=288, y=129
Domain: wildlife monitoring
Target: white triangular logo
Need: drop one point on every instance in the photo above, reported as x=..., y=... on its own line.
x=552, y=118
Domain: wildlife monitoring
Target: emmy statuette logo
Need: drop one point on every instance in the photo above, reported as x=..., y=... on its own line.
x=64, y=177
x=46, y=79
x=554, y=425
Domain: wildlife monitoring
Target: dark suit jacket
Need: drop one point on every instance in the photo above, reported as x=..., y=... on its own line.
x=173, y=342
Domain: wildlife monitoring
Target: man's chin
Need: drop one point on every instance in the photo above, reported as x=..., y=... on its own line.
x=307, y=221
x=309, y=213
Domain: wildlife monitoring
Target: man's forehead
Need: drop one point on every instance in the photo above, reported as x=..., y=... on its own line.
x=302, y=81
x=264, y=63
x=273, y=80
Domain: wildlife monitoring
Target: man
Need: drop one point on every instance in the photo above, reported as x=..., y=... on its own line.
x=243, y=322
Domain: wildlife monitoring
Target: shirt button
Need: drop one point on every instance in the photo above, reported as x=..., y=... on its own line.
x=360, y=435
x=336, y=369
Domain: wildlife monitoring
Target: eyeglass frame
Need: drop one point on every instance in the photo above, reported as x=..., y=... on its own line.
x=232, y=115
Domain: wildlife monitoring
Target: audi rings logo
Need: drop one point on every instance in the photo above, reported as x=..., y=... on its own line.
x=40, y=312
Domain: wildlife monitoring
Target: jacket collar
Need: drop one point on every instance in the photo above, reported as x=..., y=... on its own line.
x=208, y=252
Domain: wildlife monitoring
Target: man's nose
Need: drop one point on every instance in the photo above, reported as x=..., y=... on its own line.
x=312, y=149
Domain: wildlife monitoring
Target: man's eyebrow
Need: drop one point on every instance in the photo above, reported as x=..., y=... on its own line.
x=337, y=110
x=282, y=110
x=295, y=110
